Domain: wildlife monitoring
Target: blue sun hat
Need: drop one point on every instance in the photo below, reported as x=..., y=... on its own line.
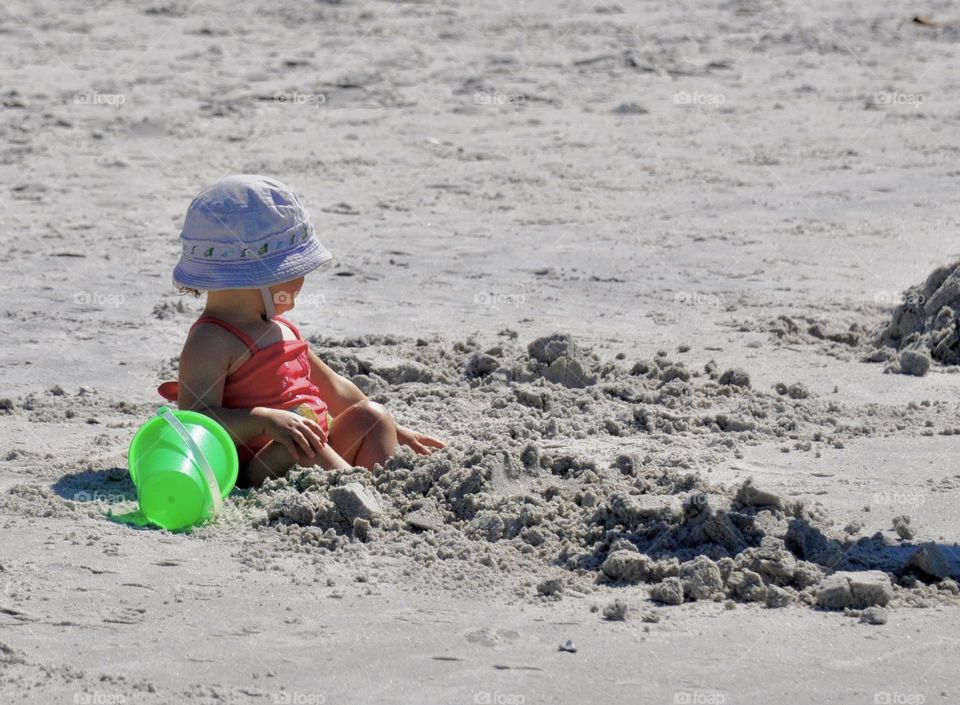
x=247, y=232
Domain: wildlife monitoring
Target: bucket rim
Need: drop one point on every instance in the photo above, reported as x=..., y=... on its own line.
x=189, y=417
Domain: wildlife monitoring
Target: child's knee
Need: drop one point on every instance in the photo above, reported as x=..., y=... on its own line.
x=374, y=413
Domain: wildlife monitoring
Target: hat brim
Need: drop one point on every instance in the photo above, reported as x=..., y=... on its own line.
x=197, y=273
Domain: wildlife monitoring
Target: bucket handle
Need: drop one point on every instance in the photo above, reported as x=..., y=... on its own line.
x=198, y=457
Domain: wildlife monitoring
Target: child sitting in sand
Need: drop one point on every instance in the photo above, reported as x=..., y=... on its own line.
x=248, y=242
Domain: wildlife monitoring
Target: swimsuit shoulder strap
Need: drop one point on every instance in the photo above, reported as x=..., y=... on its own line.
x=288, y=324
x=244, y=338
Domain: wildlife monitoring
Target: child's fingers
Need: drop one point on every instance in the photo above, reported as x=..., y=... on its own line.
x=317, y=429
x=315, y=439
x=418, y=448
x=312, y=431
x=302, y=442
x=427, y=440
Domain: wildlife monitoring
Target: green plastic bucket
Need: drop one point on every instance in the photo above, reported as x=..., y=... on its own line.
x=183, y=464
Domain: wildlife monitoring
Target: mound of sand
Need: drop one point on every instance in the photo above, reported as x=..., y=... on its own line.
x=922, y=329
x=505, y=500
x=565, y=474
x=924, y=324
x=683, y=539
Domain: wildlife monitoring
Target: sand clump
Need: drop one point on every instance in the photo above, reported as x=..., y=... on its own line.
x=924, y=325
x=874, y=615
x=913, y=362
x=855, y=589
x=736, y=377
x=922, y=330
x=687, y=552
x=551, y=485
x=701, y=579
x=509, y=501
x=902, y=525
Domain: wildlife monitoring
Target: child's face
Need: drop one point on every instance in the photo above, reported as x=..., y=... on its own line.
x=285, y=294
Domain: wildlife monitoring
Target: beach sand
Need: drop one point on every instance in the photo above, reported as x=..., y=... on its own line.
x=632, y=261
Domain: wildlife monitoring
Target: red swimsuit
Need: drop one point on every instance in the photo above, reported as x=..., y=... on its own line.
x=276, y=376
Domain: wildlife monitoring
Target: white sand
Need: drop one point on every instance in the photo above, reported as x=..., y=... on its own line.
x=476, y=169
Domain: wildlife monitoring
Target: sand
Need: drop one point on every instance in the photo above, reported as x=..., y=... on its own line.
x=644, y=268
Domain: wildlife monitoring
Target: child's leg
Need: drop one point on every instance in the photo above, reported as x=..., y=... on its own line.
x=273, y=460
x=364, y=434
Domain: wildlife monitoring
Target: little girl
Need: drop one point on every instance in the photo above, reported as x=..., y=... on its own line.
x=248, y=242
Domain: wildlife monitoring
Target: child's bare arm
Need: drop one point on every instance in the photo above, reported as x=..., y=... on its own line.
x=340, y=393
x=205, y=362
x=337, y=391
x=204, y=365
x=274, y=460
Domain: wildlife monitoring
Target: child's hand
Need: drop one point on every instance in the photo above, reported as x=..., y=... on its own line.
x=298, y=434
x=421, y=444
